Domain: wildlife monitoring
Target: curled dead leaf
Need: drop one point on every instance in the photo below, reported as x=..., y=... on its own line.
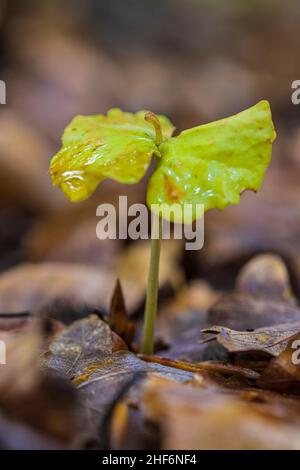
x=271, y=340
x=283, y=372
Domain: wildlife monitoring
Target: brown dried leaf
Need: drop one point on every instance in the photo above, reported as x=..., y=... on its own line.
x=191, y=417
x=31, y=287
x=81, y=345
x=104, y=383
x=259, y=299
x=271, y=340
x=88, y=353
x=283, y=372
x=16, y=436
x=266, y=276
x=118, y=320
x=11, y=325
x=42, y=401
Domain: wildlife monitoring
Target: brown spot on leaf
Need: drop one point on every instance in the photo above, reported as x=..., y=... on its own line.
x=173, y=192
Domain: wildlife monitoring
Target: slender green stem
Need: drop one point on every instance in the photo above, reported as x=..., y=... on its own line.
x=152, y=295
x=147, y=343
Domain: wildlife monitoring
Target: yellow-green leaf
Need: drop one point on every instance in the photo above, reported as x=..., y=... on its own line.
x=118, y=146
x=213, y=163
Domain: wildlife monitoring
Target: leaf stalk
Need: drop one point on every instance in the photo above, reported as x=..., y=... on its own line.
x=153, y=119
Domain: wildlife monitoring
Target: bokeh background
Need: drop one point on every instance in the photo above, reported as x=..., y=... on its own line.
x=193, y=60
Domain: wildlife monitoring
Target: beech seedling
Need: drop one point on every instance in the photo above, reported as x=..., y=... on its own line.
x=211, y=164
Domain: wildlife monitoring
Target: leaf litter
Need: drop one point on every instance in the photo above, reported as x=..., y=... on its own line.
x=117, y=393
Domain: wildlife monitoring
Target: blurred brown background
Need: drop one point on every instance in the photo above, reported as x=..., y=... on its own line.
x=194, y=60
